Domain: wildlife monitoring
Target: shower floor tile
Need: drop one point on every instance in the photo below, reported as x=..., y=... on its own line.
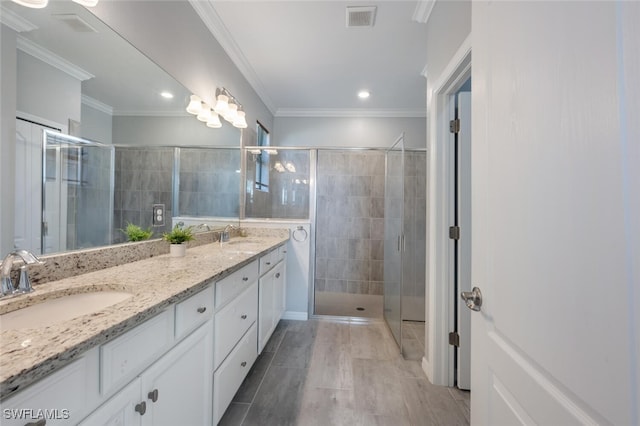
x=346, y=304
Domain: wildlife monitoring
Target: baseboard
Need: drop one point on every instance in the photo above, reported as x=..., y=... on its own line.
x=293, y=315
x=426, y=367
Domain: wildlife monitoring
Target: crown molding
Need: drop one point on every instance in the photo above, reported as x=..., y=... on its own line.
x=166, y=114
x=213, y=22
x=423, y=11
x=46, y=56
x=96, y=104
x=351, y=113
x=14, y=21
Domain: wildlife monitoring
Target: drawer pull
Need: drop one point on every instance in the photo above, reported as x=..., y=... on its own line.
x=141, y=408
x=278, y=275
x=40, y=422
x=243, y=316
x=243, y=363
x=202, y=309
x=153, y=395
x=245, y=278
x=268, y=263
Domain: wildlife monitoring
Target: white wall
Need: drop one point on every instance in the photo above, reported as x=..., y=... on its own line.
x=8, y=93
x=46, y=92
x=96, y=125
x=171, y=131
x=366, y=132
x=191, y=55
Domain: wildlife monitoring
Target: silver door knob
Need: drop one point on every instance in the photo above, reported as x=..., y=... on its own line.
x=473, y=298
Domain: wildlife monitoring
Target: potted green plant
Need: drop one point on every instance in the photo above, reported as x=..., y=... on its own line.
x=178, y=238
x=136, y=233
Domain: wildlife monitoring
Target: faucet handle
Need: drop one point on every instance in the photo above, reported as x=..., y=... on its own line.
x=7, y=287
x=24, y=283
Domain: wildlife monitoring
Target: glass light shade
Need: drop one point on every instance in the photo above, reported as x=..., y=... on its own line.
x=34, y=4
x=87, y=3
x=214, y=121
x=222, y=104
x=195, y=105
x=205, y=114
x=240, y=122
x=231, y=112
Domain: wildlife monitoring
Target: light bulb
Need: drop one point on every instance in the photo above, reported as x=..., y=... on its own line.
x=214, y=121
x=195, y=105
x=222, y=104
x=240, y=122
x=205, y=113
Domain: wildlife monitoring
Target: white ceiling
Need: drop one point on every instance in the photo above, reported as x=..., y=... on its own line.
x=303, y=61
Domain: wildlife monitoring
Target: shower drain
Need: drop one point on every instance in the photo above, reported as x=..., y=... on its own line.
x=360, y=308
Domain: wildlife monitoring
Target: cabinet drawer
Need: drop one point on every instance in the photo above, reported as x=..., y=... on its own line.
x=233, y=321
x=267, y=261
x=64, y=396
x=232, y=372
x=236, y=283
x=127, y=355
x=193, y=311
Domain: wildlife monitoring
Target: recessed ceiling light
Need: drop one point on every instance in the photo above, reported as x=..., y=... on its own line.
x=167, y=95
x=363, y=94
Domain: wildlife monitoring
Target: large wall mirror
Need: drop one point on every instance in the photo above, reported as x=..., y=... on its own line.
x=76, y=76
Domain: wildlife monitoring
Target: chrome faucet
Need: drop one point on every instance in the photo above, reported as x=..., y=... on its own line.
x=24, y=283
x=224, y=235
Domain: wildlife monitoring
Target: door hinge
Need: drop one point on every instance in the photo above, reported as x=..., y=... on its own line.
x=454, y=232
x=454, y=339
x=454, y=126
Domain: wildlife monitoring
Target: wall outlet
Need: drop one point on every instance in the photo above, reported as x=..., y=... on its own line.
x=158, y=214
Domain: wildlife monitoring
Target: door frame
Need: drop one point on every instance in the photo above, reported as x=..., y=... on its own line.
x=438, y=363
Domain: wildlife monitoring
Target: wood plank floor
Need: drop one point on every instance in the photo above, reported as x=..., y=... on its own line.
x=320, y=372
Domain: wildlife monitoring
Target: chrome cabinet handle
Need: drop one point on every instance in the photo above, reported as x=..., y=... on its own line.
x=243, y=363
x=40, y=422
x=243, y=316
x=153, y=395
x=202, y=309
x=245, y=278
x=141, y=408
x=278, y=275
x=268, y=263
x=473, y=298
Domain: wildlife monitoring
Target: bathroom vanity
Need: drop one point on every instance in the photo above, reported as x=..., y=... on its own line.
x=175, y=352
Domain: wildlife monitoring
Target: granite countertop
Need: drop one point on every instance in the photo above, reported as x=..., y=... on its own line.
x=27, y=355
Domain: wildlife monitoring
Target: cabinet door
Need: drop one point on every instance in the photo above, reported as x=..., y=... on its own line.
x=121, y=409
x=279, y=293
x=178, y=387
x=265, y=308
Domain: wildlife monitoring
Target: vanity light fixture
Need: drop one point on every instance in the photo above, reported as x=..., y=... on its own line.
x=226, y=106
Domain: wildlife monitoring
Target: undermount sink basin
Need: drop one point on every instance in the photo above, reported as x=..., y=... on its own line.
x=53, y=311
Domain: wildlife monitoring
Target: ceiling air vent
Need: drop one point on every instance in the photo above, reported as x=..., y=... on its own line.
x=361, y=16
x=76, y=23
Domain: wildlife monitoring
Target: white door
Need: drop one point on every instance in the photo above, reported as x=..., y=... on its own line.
x=464, y=242
x=556, y=202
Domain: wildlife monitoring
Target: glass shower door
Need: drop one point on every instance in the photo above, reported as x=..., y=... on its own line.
x=393, y=238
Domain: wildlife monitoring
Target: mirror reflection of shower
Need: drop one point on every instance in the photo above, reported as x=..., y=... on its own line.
x=77, y=193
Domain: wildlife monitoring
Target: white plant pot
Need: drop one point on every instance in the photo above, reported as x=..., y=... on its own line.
x=177, y=250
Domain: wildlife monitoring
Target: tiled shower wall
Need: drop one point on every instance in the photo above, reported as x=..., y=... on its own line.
x=143, y=177
x=350, y=222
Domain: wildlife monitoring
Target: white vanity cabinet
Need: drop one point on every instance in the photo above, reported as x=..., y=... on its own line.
x=167, y=389
x=272, y=293
x=61, y=398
